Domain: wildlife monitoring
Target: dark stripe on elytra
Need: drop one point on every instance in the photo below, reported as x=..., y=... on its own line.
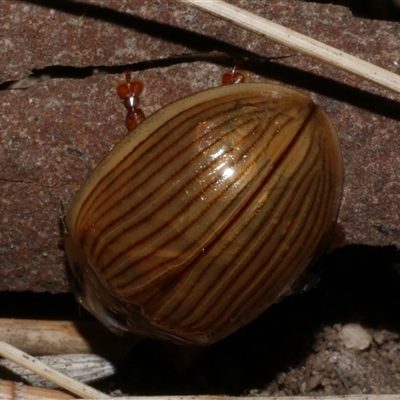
x=127, y=267
x=256, y=294
x=311, y=219
x=169, y=200
x=262, y=278
x=252, y=265
x=217, y=313
x=101, y=190
x=182, y=210
x=251, y=118
x=93, y=195
x=156, y=145
x=251, y=239
x=130, y=282
x=253, y=196
x=323, y=186
x=255, y=288
x=108, y=212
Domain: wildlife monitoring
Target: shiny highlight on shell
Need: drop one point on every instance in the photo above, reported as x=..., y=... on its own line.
x=206, y=213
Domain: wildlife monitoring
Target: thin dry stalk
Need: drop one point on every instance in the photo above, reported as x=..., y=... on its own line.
x=299, y=42
x=85, y=368
x=38, y=337
x=17, y=391
x=73, y=386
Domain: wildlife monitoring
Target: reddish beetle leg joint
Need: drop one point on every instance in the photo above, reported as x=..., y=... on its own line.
x=233, y=77
x=129, y=92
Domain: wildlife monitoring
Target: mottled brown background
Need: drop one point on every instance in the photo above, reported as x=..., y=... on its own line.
x=54, y=132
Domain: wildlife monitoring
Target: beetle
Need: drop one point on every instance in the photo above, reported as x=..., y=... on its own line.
x=206, y=213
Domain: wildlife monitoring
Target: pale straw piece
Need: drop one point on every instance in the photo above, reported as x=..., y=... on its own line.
x=73, y=386
x=299, y=42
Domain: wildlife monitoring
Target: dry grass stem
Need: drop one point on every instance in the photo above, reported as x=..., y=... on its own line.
x=17, y=391
x=39, y=337
x=299, y=42
x=73, y=386
x=85, y=368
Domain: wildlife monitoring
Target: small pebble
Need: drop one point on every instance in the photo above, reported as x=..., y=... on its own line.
x=354, y=336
